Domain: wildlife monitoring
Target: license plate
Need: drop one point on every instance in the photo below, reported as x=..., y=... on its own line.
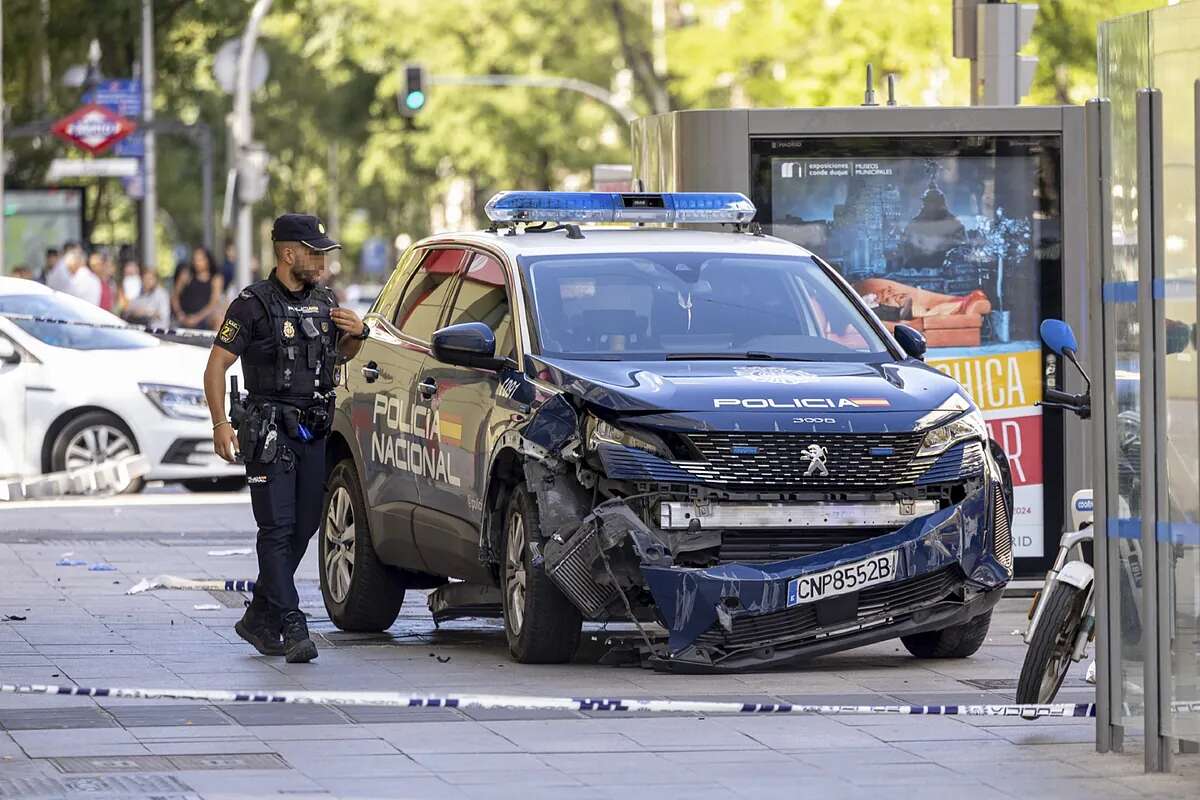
x=842, y=580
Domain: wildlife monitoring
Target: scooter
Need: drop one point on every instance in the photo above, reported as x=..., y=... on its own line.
x=1062, y=617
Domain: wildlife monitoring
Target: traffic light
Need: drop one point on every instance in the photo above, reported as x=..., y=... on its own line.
x=412, y=98
x=991, y=34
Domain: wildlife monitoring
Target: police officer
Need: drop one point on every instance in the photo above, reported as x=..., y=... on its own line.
x=289, y=333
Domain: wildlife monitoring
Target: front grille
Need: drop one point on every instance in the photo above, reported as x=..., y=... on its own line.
x=795, y=622
x=855, y=460
x=1002, y=526
x=774, y=544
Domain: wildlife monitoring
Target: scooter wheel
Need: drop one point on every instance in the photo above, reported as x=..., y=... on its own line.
x=1049, y=654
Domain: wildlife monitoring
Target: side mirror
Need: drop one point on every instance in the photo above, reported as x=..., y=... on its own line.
x=8, y=352
x=911, y=340
x=467, y=344
x=1059, y=337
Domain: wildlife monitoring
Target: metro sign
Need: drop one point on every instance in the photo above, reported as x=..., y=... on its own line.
x=93, y=128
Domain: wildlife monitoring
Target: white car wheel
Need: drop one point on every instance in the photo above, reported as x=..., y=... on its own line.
x=97, y=444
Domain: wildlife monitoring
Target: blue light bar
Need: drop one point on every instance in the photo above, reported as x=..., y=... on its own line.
x=710, y=207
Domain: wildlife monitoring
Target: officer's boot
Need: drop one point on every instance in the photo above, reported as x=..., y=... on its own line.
x=259, y=627
x=298, y=648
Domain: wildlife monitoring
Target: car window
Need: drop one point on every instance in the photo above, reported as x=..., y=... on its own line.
x=389, y=296
x=655, y=305
x=72, y=309
x=482, y=297
x=419, y=311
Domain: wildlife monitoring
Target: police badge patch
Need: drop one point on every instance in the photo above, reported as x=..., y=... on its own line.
x=229, y=331
x=324, y=327
x=289, y=330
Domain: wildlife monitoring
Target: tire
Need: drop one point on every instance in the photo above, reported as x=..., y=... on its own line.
x=361, y=593
x=1049, y=656
x=232, y=483
x=93, y=438
x=541, y=624
x=957, y=641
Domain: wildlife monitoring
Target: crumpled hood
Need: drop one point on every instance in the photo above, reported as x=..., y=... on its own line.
x=752, y=386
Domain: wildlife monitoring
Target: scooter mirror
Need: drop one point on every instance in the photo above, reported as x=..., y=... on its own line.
x=1058, y=336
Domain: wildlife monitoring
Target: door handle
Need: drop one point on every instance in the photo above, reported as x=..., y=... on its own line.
x=370, y=371
x=427, y=387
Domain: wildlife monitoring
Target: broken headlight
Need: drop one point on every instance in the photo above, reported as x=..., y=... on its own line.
x=966, y=427
x=600, y=432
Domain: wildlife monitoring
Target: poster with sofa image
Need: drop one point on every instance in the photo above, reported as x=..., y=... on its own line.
x=952, y=243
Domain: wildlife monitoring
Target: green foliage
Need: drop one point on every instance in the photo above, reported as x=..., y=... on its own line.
x=327, y=114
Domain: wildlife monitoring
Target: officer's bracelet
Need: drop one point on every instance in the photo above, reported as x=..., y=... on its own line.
x=223, y=422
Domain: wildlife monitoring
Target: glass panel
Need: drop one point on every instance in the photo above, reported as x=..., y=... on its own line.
x=1175, y=55
x=1124, y=66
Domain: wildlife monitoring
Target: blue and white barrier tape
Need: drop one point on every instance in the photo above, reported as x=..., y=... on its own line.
x=488, y=701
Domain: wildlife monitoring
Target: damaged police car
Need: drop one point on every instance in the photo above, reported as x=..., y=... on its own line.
x=706, y=433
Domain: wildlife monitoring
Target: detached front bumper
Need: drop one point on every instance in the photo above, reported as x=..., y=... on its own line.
x=738, y=616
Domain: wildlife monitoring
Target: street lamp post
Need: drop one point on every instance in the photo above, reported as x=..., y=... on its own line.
x=243, y=131
x=149, y=156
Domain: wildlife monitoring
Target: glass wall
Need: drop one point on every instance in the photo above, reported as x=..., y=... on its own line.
x=1159, y=49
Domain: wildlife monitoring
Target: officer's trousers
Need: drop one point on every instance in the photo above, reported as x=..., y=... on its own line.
x=286, y=496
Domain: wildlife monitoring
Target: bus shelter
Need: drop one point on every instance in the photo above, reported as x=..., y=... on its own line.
x=1142, y=147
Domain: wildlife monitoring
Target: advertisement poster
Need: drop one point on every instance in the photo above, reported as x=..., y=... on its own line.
x=949, y=245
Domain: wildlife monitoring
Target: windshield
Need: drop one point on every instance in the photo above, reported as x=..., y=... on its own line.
x=76, y=337
x=654, y=306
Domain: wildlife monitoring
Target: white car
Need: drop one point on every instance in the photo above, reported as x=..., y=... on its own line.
x=73, y=395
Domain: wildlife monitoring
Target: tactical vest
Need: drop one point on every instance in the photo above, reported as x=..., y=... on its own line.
x=304, y=351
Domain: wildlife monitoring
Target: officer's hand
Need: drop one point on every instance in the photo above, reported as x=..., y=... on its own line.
x=225, y=442
x=347, y=321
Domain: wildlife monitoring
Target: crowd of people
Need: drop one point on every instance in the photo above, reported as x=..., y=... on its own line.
x=198, y=294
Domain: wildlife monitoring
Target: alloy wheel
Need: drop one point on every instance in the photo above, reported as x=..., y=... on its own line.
x=514, y=582
x=339, y=544
x=97, y=444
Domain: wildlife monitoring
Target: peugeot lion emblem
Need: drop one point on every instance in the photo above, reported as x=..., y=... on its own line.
x=816, y=455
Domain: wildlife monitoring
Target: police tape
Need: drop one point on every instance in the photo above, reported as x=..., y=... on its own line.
x=186, y=333
x=488, y=701
x=207, y=584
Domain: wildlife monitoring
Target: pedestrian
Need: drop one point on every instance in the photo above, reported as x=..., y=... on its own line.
x=290, y=333
x=197, y=297
x=49, y=264
x=101, y=264
x=229, y=265
x=74, y=277
x=22, y=271
x=152, y=305
x=131, y=280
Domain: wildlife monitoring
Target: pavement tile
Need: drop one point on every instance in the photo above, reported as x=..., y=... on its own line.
x=282, y=714
x=302, y=751
x=361, y=766
x=444, y=737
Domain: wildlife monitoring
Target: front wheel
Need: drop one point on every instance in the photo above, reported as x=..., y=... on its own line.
x=1049, y=655
x=93, y=438
x=361, y=593
x=957, y=641
x=542, y=626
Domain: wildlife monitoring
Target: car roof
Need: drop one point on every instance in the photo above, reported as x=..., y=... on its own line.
x=22, y=286
x=623, y=240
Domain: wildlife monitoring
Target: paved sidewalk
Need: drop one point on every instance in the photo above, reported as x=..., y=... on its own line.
x=81, y=628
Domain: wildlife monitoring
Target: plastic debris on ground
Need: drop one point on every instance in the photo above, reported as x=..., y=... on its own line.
x=70, y=562
x=243, y=551
x=102, y=567
x=207, y=607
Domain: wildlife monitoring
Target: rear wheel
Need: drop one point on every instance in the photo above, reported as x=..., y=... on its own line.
x=92, y=438
x=361, y=593
x=542, y=626
x=1049, y=655
x=957, y=641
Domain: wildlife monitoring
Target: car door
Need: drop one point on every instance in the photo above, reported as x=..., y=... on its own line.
x=468, y=413
x=12, y=399
x=389, y=423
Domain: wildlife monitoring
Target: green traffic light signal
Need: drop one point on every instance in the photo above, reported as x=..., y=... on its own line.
x=412, y=99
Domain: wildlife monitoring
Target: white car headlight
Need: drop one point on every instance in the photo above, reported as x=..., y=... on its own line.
x=601, y=432
x=178, y=402
x=968, y=426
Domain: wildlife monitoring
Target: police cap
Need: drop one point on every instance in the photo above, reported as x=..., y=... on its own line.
x=305, y=229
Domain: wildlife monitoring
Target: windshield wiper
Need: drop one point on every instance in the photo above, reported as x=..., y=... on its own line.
x=748, y=355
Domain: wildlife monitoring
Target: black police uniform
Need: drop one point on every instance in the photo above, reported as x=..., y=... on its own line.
x=287, y=343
